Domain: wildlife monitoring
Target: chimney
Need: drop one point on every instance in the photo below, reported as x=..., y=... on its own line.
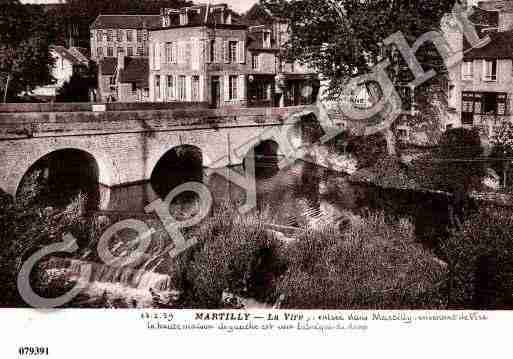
x=121, y=60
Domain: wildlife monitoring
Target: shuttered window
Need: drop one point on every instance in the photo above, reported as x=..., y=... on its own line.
x=232, y=87
x=170, y=88
x=232, y=51
x=157, y=86
x=195, y=91
x=182, y=90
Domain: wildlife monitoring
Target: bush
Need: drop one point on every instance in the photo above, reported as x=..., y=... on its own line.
x=24, y=228
x=234, y=252
x=368, y=149
x=480, y=258
x=373, y=265
x=455, y=165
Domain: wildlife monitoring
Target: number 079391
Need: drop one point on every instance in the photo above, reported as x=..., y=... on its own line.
x=32, y=351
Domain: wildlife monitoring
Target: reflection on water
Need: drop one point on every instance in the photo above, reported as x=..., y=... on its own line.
x=301, y=194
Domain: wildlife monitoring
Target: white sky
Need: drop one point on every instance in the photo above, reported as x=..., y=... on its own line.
x=240, y=6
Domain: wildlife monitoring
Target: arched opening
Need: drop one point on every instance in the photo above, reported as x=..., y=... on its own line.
x=179, y=165
x=59, y=177
x=265, y=157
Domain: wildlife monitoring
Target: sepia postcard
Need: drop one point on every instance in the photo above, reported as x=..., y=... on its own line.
x=301, y=178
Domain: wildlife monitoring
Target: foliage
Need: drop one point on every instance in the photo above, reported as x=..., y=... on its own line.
x=502, y=152
x=24, y=228
x=77, y=89
x=25, y=59
x=367, y=149
x=343, y=38
x=480, y=258
x=235, y=252
x=373, y=265
x=457, y=163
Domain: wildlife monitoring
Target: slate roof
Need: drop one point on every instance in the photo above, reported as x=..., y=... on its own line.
x=75, y=59
x=126, y=22
x=500, y=47
x=136, y=70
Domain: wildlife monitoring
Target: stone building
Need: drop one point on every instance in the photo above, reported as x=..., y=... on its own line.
x=205, y=53
x=123, y=78
x=481, y=86
x=111, y=34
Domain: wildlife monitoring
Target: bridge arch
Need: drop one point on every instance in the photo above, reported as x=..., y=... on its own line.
x=58, y=176
x=178, y=165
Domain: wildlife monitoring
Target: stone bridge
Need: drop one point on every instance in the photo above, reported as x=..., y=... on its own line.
x=126, y=145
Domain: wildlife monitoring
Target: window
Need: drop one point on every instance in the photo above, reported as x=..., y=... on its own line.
x=254, y=61
x=110, y=51
x=146, y=51
x=119, y=35
x=181, y=88
x=99, y=35
x=266, y=39
x=232, y=51
x=195, y=88
x=99, y=51
x=212, y=51
x=109, y=35
x=129, y=51
x=466, y=69
x=170, y=87
x=120, y=50
x=157, y=86
x=145, y=35
x=139, y=36
x=134, y=87
x=170, y=55
x=490, y=70
x=140, y=51
x=129, y=37
x=232, y=87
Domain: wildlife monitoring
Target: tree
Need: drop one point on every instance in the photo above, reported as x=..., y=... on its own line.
x=343, y=39
x=25, y=59
x=79, y=86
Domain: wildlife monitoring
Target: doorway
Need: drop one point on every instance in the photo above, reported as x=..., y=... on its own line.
x=215, y=99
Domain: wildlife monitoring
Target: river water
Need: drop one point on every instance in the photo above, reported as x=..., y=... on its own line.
x=300, y=194
x=303, y=194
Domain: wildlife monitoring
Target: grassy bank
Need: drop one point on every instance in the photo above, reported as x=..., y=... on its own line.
x=372, y=265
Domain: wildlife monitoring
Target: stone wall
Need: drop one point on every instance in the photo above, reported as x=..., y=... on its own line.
x=128, y=144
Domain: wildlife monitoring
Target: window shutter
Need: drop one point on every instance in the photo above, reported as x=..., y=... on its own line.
x=241, y=91
x=201, y=87
x=173, y=52
x=188, y=88
x=219, y=51
x=226, y=88
x=173, y=88
x=163, y=53
x=206, y=50
x=242, y=51
x=157, y=56
x=195, y=54
x=151, y=56
x=226, y=52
